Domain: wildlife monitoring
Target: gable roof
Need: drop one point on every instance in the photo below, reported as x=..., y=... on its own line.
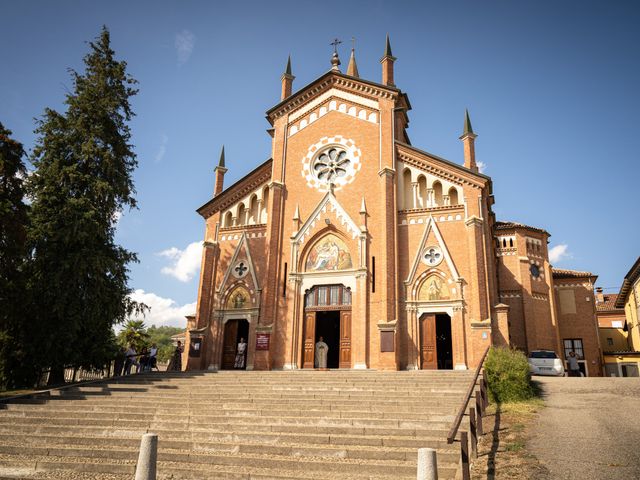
x=232, y=194
x=432, y=226
x=326, y=81
x=328, y=200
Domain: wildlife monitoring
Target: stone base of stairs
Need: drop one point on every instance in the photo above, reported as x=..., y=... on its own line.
x=237, y=425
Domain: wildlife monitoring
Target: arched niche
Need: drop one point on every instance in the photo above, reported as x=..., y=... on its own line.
x=238, y=298
x=434, y=288
x=328, y=253
x=453, y=196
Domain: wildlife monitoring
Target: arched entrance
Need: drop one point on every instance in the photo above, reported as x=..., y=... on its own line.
x=234, y=330
x=436, y=347
x=327, y=314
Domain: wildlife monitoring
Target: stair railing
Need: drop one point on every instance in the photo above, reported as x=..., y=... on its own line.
x=477, y=389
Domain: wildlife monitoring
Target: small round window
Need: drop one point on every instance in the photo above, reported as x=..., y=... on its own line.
x=535, y=271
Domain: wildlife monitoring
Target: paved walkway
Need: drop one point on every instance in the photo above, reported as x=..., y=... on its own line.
x=590, y=428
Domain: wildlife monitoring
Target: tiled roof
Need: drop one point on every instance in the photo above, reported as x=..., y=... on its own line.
x=608, y=304
x=559, y=273
x=510, y=225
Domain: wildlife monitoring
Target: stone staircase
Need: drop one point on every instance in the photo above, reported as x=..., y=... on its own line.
x=237, y=425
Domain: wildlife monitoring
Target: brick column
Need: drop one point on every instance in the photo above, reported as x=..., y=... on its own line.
x=500, y=326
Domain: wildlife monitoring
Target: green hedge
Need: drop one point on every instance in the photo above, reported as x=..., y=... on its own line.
x=508, y=375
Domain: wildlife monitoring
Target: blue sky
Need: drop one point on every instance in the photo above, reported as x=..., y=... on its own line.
x=552, y=88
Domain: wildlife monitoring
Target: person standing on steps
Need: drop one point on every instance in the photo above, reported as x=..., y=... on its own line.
x=153, y=358
x=574, y=366
x=130, y=360
x=322, y=349
x=240, y=354
x=175, y=364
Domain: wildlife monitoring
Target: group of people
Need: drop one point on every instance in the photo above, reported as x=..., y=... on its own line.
x=146, y=360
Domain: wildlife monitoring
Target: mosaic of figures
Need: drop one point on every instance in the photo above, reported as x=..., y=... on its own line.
x=330, y=253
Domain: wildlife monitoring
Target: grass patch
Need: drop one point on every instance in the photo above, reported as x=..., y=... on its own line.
x=514, y=446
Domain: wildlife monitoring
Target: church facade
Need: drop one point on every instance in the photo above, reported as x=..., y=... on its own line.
x=389, y=253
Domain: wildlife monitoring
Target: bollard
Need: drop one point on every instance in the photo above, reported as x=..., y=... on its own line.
x=146, y=467
x=427, y=464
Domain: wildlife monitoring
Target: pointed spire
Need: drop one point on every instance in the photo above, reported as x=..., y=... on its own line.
x=287, y=81
x=468, y=141
x=296, y=215
x=352, y=69
x=221, y=161
x=387, y=64
x=387, y=49
x=467, y=123
x=219, y=171
x=363, y=206
x=288, y=69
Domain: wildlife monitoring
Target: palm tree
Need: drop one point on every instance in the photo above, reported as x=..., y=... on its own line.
x=134, y=333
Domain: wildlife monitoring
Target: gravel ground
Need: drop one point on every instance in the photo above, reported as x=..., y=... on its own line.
x=589, y=428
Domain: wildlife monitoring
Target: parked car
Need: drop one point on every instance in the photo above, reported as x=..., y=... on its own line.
x=545, y=362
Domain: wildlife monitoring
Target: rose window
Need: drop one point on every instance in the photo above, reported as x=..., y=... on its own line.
x=331, y=164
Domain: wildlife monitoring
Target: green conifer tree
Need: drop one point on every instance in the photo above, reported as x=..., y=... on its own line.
x=84, y=164
x=13, y=222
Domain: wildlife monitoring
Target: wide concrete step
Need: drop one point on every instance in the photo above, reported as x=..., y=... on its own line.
x=199, y=415
x=249, y=404
x=305, y=422
x=195, y=432
x=122, y=461
x=212, y=439
x=167, y=449
x=51, y=470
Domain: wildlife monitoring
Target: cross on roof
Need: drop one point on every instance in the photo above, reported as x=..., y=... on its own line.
x=335, y=44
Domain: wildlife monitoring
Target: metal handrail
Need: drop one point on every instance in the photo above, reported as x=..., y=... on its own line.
x=456, y=423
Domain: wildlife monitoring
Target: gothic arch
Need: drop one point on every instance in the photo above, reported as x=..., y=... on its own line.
x=238, y=296
x=327, y=251
x=434, y=287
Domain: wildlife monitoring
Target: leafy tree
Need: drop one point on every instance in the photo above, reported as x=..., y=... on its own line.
x=13, y=222
x=84, y=164
x=161, y=336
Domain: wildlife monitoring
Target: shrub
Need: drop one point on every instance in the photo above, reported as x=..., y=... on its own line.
x=508, y=375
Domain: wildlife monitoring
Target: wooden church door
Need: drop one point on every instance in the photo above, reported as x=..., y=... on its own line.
x=428, y=352
x=345, y=339
x=309, y=339
x=229, y=344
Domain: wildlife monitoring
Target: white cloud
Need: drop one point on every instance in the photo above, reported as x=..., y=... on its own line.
x=185, y=263
x=481, y=166
x=559, y=253
x=163, y=311
x=185, y=41
x=116, y=217
x=163, y=149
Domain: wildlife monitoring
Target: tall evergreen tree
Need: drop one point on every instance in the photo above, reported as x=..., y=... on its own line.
x=13, y=222
x=84, y=164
